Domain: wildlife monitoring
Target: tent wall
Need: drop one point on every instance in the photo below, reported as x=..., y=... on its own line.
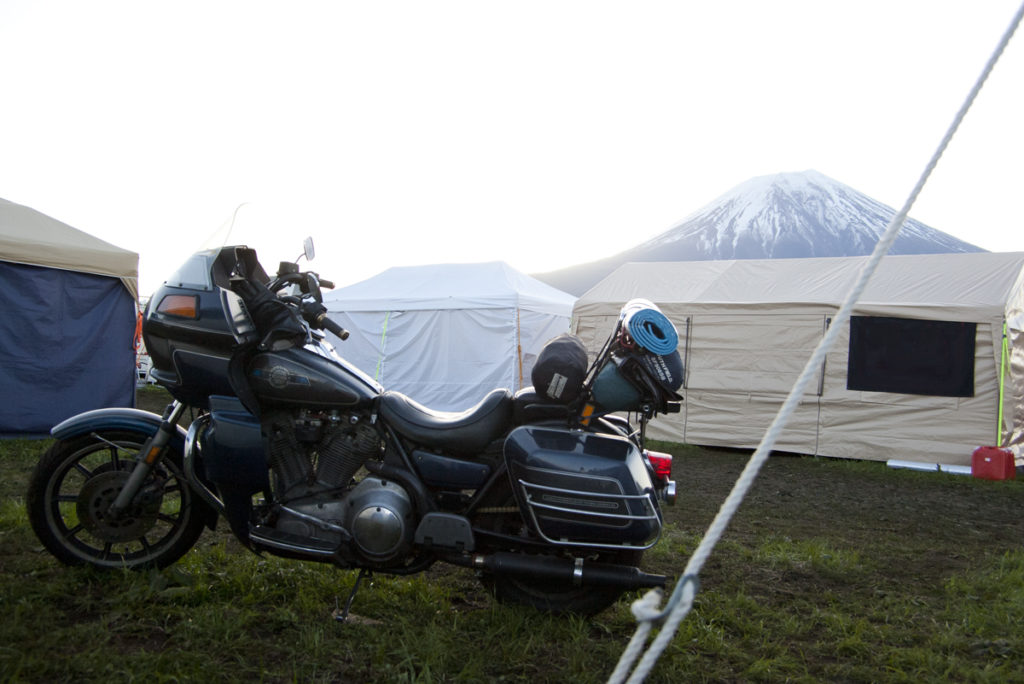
x=746, y=364
x=741, y=367
x=931, y=429
x=447, y=334
x=747, y=330
x=1013, y=398
x=535, y=328
x=65, y=346
x=435, y=356
x=1013, y=366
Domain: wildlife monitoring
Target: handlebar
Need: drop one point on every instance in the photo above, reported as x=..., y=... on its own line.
x=330, y=326
x=269, y=305
x=316, y=315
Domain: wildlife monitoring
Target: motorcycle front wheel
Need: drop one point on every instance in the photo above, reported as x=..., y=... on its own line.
x=76, y=480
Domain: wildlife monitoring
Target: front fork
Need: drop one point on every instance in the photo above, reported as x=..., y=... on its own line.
x=150, y=454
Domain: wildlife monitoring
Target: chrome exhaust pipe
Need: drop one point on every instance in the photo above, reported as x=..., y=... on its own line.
x=667, y=494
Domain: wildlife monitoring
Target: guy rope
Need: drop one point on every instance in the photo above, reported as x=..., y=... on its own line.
x=680, y=602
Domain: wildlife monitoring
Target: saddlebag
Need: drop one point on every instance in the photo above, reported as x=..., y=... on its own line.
x=579, y=488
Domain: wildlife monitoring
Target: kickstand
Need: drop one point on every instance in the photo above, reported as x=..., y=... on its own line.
x=343, y=614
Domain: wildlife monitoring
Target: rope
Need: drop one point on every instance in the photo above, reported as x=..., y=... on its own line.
x=682, y=596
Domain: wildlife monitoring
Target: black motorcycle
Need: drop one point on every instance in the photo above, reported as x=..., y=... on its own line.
x=548, y=495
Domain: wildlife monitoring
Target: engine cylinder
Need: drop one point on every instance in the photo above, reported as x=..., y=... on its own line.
x=288, y=461
x=342, y=454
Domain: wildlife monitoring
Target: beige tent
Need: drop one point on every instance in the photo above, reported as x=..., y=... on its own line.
x=30, y=237
x=915, y=375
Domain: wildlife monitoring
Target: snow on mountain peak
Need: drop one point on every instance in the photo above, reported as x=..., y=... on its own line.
x=795, y=215
x=804, y=214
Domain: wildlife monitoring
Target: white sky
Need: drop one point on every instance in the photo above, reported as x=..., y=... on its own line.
x=543, y=134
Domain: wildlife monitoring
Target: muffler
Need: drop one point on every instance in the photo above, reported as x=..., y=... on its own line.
x=578, y=571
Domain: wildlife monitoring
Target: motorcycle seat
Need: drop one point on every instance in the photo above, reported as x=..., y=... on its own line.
x=528, y=406
x=466, y=432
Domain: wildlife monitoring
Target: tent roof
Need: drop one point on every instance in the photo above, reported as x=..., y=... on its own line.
x=984, y=282
x=30, y=237
x=490, y=285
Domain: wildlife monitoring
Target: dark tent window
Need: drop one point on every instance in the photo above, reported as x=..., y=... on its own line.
x=910, y=356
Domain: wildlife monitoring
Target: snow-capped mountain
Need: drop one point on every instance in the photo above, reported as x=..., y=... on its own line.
x=782, y=216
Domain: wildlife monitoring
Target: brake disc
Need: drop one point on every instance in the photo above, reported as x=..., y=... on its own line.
x=94, y=501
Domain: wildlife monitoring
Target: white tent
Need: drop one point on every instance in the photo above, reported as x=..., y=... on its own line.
x=918, y=374
x=447, y=334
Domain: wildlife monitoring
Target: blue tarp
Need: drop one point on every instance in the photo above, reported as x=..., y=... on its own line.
x=66, y=346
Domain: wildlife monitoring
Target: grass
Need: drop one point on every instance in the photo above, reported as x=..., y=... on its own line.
x=831, y=571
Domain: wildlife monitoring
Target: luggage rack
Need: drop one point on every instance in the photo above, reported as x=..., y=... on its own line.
x=552, y=507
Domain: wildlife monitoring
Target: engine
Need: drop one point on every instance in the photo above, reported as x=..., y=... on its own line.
x=314, y=458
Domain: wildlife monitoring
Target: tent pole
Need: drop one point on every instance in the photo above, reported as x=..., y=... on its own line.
x=1002, y=383
x=519, y=348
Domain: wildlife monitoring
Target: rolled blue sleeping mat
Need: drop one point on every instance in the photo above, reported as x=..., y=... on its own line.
x=649, y=327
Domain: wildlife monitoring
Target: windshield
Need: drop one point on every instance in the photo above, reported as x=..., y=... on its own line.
x=194, y=273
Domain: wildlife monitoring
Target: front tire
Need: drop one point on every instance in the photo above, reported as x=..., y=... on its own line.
x=74, y=484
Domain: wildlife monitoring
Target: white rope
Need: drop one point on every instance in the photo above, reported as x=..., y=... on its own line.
x=645, y=609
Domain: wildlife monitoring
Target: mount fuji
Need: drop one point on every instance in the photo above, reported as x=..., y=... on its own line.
x=786, y=215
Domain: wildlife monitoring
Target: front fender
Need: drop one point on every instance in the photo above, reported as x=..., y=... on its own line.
x=137, y=420
x=134, y=420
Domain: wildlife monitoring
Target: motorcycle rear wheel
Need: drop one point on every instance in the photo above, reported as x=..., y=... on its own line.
x=552, y=596
x=560, y=597
x=75, y=482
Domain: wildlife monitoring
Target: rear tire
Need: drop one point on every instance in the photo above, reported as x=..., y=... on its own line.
x=550, y=596
x=77, y=479
x=560, y=597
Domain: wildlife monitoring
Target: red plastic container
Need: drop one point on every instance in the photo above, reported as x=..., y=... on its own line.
x=993, y=463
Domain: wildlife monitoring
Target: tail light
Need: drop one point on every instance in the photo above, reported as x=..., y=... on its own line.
x=662, y=464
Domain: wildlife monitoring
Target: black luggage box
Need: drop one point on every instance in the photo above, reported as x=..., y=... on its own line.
x=583, y=489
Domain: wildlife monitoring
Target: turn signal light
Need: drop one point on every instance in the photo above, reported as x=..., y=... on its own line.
x=662, y=464
x=182, y=306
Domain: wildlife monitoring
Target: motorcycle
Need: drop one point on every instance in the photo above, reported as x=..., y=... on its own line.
x=550, y=497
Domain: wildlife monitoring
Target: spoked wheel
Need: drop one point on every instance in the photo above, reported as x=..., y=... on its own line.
x=75, y=482
x=543, y=594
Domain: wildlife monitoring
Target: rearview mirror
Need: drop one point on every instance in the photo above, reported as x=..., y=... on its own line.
x=307, y=248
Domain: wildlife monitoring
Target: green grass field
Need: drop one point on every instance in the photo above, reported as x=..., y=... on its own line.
x=831, y=571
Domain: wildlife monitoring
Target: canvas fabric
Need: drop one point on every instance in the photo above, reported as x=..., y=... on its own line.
x=747, y=328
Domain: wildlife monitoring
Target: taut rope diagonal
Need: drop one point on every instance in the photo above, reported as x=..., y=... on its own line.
x=681, y=601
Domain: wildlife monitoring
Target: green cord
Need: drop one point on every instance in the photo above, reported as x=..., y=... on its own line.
x=383, y=338
x=1002, y=377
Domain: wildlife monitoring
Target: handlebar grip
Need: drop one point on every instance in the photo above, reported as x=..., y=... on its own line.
x=330, y=326
x=327, y=284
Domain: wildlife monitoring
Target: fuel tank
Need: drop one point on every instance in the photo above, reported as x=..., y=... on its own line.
x=303, y=378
